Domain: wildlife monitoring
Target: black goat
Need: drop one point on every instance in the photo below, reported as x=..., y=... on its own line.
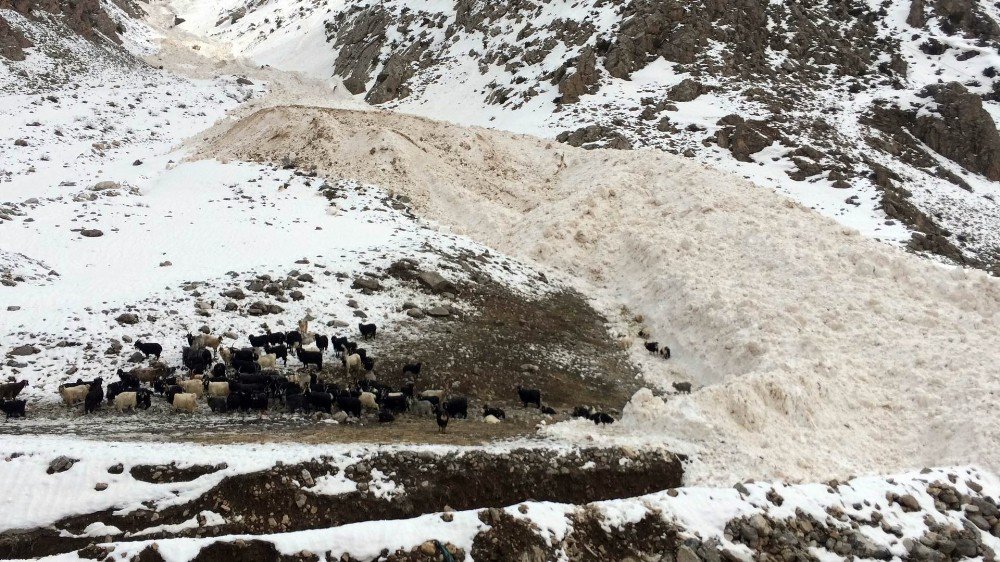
x=582, y=412
x=10, y=390
x=275, y=338
x=148, y=349
x=395, y=402
x=279, y=351
x=601, y=418
x=682, y=387
x=497, y=413
x=293, y=339
x=412, y=368
x=260, y=341
x=219, y=404
x=368, y=363
x=322, y=401
x=322, y=343
x=442, y=420
x=13, y=408
x=386, y=416
x=94, y=397
x=367, y=330
x=457, y=407
x=219, y=370
x=350, y=404
x=310, y=358
x=530, y=396
x=652, y=346
x=295, y=402
x=548, y=410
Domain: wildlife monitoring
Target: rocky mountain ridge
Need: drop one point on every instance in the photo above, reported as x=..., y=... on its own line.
x=883, y=106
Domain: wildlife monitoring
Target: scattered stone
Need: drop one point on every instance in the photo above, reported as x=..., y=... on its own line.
x=91, y=233
x=435, y=282
x=116, y=469
x=24, y=350
x=368, y=283
x=137, y=357
x=101, y=486
x=438, y=312
x=61, y=464
x=128, y=318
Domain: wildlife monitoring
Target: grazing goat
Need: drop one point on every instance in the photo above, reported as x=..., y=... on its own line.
x=601, y=418
x=368, y=363
x=652, y=346
x=295, y=403
x=395, y=402
x=421, y=408
x=412, y=368
x=148, y=349
x=582, y=412
x=311, y=358
x=322, y=401
x=193, y=386
x=10, y=390
x=352, y=363
x=217, y=389
x=682, y=387
x=322, y=342
x=350, y=405
x=457, y=407
x=367, y=330
x=548, y=410
x=665, y=352
x=95, y=396
x=498, y=413
x=275, y=338
x=126, y=401
x=226, y=354
x=219, y=370
x=13, y=408
x=269, y=361
x=279, y=351
x=293, y=339
x=184, y=402
x=219, y=404
x=201, y=341
x=385, y=416
x=530, y=396
x=261, y=341
x=73, y=395
x=368, y=401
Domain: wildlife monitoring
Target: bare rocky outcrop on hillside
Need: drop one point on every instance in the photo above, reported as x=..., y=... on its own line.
x=86, y=18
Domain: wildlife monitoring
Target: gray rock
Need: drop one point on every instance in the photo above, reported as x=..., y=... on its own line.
x=307, y=478
x=24, y=350
x=685, y=554
x=435, y=282
x=129, y=318
x=136, y=357
x=438, y=312
x=296, y=295
x=235, y=294
x=908, y=503
x=101, y=486
x=415, y=313
x=166, y=263
x=60, y=464
x=116, y=469
x=340, y=417
x=306, y=278
x=368, y=283
x=91, y=233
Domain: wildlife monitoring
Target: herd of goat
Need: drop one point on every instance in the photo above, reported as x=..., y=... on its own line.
x=247, y=380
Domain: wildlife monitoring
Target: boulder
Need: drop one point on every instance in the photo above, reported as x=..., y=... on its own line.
x=369, y=283
x=23, y=350
x=435, y=282
x=128, y=318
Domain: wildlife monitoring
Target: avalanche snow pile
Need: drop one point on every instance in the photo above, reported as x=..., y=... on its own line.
x=821, y=352
x=879, y=114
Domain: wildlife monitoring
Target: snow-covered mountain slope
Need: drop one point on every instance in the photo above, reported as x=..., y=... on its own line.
x=880, y=114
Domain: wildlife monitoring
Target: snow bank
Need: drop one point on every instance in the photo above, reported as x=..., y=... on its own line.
x=821, y=352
